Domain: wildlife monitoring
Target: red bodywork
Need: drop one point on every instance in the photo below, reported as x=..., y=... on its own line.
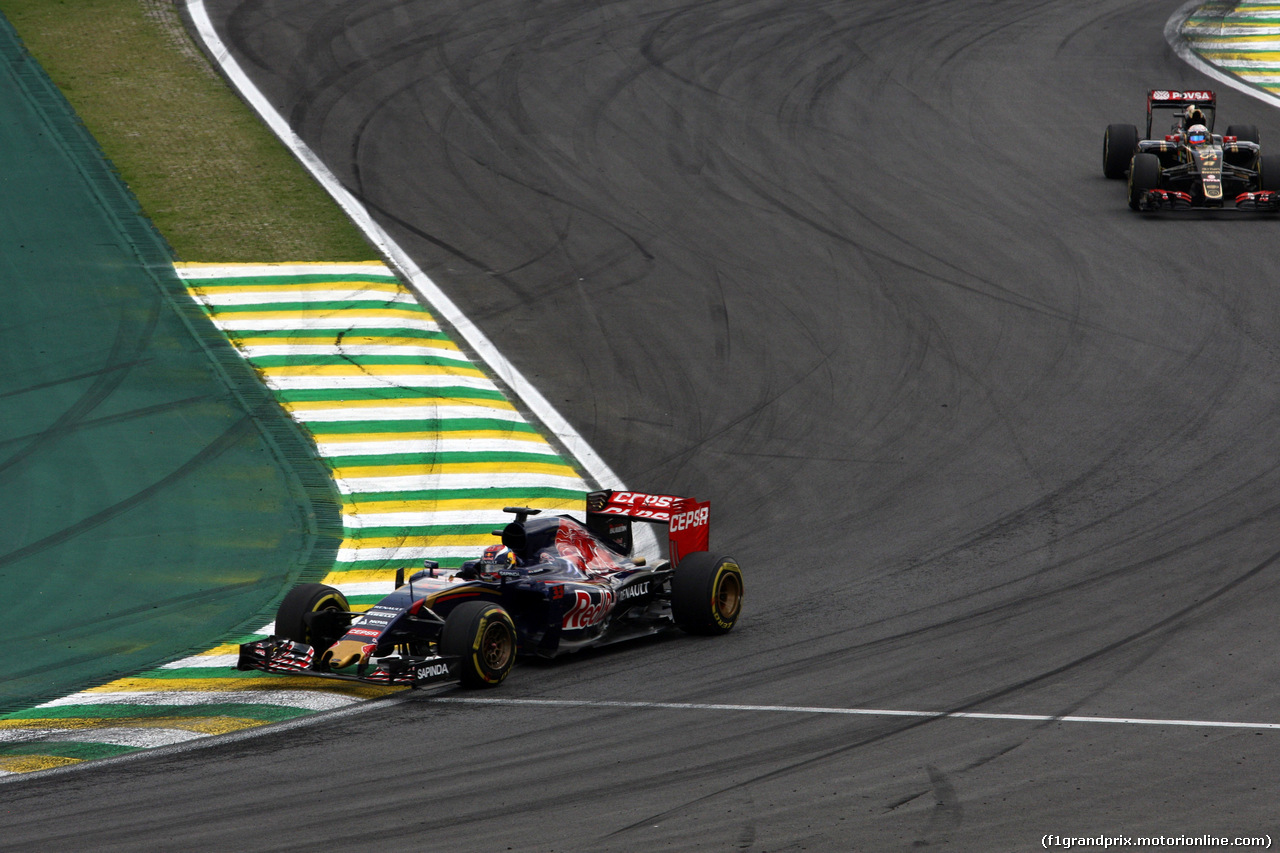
x=688, y=520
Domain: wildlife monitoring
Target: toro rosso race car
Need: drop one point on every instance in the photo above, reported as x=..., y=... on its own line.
x=1191, y=167
x=552, y=585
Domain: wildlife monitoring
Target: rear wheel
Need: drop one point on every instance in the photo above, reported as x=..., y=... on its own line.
x=481, y=635
x=1118, y=145
x=315, y=614
x=706, y=593
x=1243, y=132
x=1144, y=175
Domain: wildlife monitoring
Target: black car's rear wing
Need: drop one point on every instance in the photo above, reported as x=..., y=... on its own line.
x=1172, y=99
x=610, y=513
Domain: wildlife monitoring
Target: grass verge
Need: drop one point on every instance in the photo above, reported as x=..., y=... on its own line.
x=214, y=180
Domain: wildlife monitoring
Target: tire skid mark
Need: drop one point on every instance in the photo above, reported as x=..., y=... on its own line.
x=236, y=433
x=971, y=706
x=423, y=447
x=131, y=340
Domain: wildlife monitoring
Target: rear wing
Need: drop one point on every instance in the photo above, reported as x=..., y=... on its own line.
x=1175, y=100
x=610, y=513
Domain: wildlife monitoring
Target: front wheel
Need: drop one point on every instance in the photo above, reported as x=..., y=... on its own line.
x=1143, y=175
x=1269, y=173
x=481, y=635
x=314, y=614
x=706, y=593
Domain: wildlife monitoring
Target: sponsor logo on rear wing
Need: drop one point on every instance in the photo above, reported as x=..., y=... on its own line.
x=637, y=505
x=688, y=520
x=1170, y=97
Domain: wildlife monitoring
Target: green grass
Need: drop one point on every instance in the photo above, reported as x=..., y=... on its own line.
x=214, y=180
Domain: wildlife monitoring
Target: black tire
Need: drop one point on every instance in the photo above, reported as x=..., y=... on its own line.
x=313, y=613
x=1118, y=145
x=1144, y=175
x=706, y=593
x=1269, y=172
x=481, y=635
x=1243, y=132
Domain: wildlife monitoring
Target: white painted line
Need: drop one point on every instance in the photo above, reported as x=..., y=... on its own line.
x=276, y=297
x=202, y=271
x=415, y=482
x=315, y=700
x=408, y=379
x=493, y=518
x=227, y=661
x=141, y=738
x=595, y=466
x=265, y=350
x=376, y=587
x=442, y=445
x=854, y=712
x=1246, y=64
x=1222, y=34
x=403, y=413
x=437, y=552
x=335, y=321
x=432, y=552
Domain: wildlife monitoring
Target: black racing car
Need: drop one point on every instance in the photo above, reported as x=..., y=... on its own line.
x=1191, y=167
x=552, y=585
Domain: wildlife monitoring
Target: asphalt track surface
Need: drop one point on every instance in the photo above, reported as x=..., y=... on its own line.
x=983, y=439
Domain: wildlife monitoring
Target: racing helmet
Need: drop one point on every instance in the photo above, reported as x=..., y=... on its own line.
x=498, y=556
x=1198, y=134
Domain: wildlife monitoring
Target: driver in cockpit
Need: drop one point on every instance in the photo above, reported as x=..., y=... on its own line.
x=1198, y=134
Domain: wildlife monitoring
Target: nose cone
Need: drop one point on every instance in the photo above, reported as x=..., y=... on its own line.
x=345, y=653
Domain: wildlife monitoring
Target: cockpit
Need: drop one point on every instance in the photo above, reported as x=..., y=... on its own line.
x=552, y=547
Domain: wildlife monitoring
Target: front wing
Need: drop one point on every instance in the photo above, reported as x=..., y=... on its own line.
x=287, y=657
x=1261, y=202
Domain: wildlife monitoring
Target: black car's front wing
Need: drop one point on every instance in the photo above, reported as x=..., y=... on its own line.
x=1265, y=201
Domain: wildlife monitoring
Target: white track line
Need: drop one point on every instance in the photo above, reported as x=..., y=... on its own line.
x=853, y=712
x=645, y=540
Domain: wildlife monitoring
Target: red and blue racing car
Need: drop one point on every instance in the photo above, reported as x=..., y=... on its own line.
x=552, y=585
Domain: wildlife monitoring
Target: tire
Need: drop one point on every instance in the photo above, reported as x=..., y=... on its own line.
x=1269, y=172
x=706, y=593
x=1144, y=175
x=1118, y=145
x=1243, y=132
x=314, y=614
x=481, y=635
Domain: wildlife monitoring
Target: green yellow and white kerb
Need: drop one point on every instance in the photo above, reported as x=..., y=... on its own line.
x=425, y=451
x=1242, y=38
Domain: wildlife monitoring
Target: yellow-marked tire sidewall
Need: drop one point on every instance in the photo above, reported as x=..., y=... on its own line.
x=697, y=586
x=466, y=630
x=728, y=572
x=478, y=664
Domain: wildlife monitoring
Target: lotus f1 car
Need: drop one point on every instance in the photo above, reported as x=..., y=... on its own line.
x=552, y=585
x=1191, y=167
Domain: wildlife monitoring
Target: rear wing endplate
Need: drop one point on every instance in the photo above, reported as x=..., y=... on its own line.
x=610, y=513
